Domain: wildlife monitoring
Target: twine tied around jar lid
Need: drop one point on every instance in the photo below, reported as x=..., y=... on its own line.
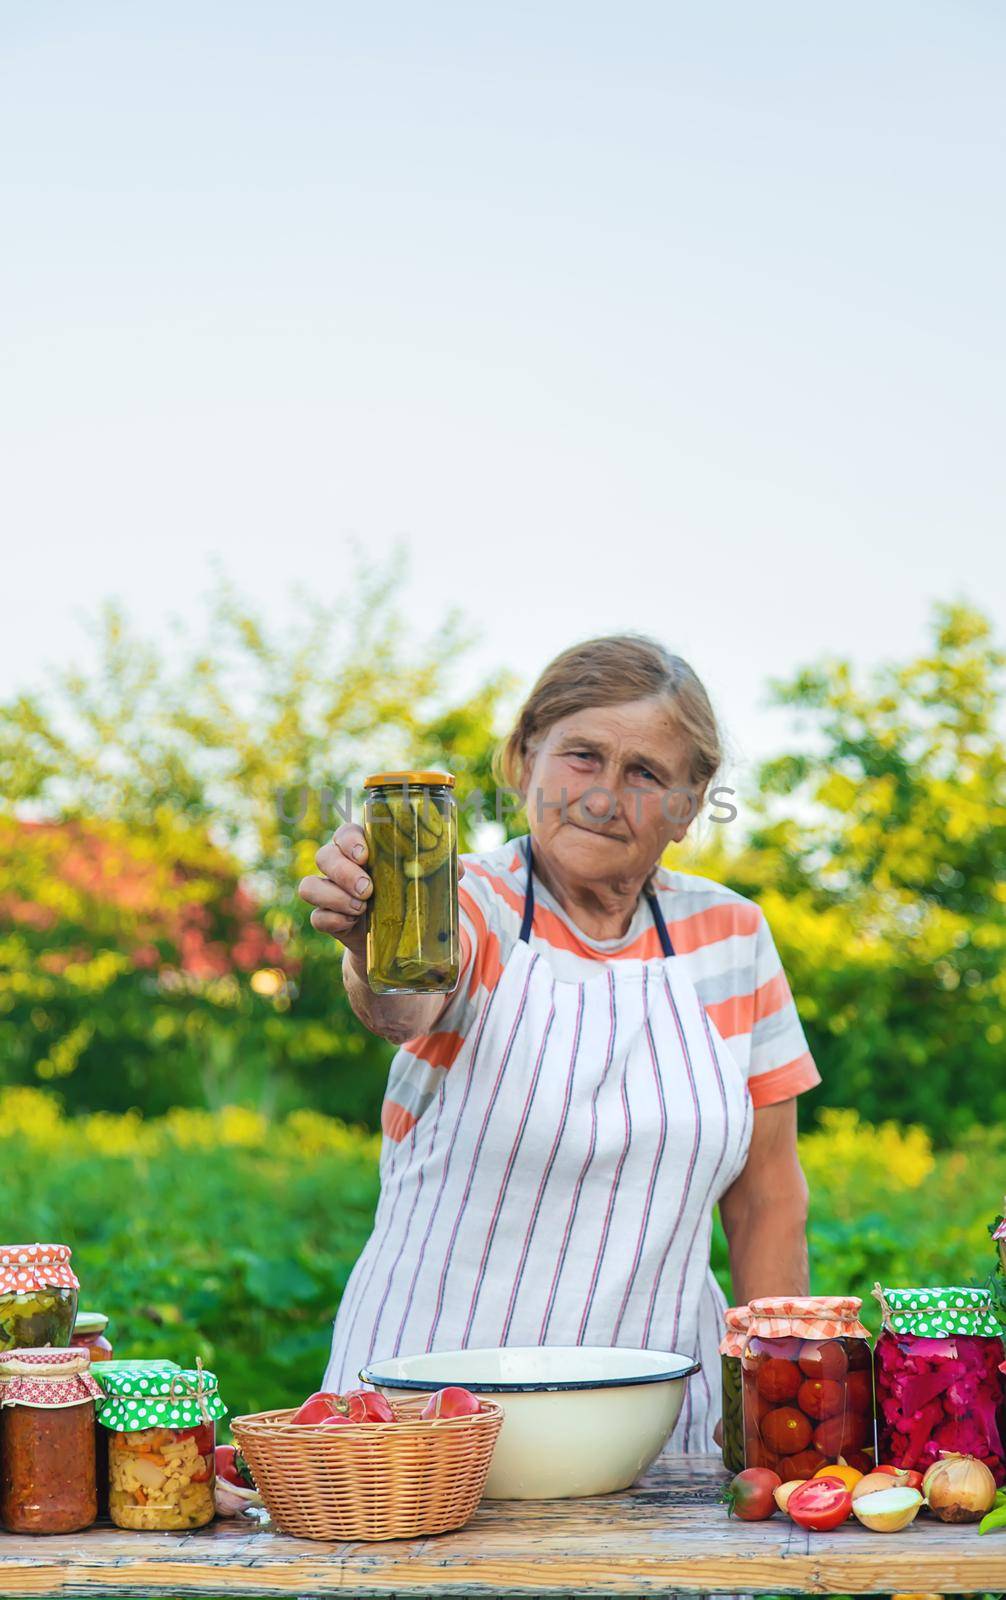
x=808, y=1317
x=180, y=1388
x=48, y=1377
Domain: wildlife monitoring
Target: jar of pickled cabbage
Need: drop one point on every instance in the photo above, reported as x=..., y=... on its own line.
x=737, y=1319
x=89, y=1335
x=410, y=821
x=47, y=1472
x=939, y=1387
x=38, y=1296
x=161, y=1428
x=808, y=1386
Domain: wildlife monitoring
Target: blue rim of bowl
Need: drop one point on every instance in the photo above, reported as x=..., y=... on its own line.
x=420, y=1386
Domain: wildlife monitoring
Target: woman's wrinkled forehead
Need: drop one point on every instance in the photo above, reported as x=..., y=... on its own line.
x=646, y=731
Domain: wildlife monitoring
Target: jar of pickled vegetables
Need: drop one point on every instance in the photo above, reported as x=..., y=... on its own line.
x=808, y=1386
x=737, y=1319
x=161, y=1437
x=89, y=1335
x=47, y=1472
x=938, y=1381
x=38, y=1296
x=103, y=1377
x=410, y=820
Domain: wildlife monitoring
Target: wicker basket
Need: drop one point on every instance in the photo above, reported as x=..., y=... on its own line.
x=370, y=1480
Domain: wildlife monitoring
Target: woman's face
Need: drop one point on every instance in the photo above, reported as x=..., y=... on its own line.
x=607, y=790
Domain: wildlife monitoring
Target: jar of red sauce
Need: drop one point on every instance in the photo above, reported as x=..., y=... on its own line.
x=808, y=1385
x=47, y=1467
x=89, y=1335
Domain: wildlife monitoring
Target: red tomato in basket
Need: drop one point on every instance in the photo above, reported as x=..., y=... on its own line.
x=778, y=1381
x=452, y=1402
x=786, y=1431
x=366, y=1405
x=316, y=1408
x=820, y=1504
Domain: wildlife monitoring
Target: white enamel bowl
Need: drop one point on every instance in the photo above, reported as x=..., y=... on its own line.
x=578, y=1420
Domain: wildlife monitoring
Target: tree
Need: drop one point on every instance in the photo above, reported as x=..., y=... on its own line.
x=879, y=857
x=158, y=813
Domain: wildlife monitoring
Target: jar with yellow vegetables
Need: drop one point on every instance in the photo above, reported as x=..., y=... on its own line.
x=162, y=1435
x=38, y=1296
x=410, y=822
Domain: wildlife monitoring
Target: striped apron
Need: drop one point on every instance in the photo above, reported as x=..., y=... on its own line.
x=559, y=1189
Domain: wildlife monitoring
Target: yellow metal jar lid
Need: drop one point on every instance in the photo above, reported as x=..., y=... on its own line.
x=379, y=779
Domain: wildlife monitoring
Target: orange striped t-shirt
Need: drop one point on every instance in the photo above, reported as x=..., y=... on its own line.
x=722, y=939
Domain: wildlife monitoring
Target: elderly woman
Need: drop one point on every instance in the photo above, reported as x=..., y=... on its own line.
x=620, y=1056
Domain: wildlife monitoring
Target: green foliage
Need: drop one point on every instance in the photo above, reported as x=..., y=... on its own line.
x=879, y=858
x=153, y=950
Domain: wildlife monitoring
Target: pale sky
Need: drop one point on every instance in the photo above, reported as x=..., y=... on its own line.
x=679, y=317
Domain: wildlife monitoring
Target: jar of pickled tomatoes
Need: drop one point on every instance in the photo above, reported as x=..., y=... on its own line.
x=808, y=1386
x=737, y=1319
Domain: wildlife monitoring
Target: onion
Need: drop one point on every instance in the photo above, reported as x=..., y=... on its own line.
x=959, y=1488
x=887, y=1510
x=875, y=1483
x=782, y=1494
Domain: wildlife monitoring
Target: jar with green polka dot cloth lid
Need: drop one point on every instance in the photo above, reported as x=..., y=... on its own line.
x=156, y=1394
x=934, y=1313
x=938, y=1381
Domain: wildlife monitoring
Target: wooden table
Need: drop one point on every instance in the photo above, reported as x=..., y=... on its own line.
x=668, y=1534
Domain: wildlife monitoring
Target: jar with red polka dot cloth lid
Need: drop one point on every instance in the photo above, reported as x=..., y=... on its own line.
x=38, y=1296
x=939, y=1378
x=47, y=1459
x=808, y=1385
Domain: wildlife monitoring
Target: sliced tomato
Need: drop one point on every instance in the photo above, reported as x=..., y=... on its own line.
x=820, y=1504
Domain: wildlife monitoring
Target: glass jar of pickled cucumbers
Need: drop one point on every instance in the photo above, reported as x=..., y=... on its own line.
x=410, y=820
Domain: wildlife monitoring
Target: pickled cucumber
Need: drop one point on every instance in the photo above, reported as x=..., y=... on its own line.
x=412, y=918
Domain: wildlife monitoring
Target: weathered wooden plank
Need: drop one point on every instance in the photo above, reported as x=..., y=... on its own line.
x=666, y=1534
